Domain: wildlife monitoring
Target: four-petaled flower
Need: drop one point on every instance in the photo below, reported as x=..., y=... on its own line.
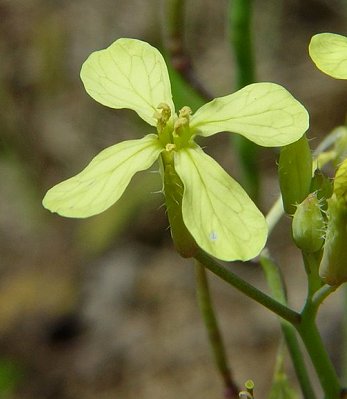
x=214, y=208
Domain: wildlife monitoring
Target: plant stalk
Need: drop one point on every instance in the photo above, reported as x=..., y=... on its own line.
x=240, y=31
x=275, y=282
x=213, y=331
x=252, y=292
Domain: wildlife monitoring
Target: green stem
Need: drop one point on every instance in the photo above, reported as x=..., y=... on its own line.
x=240, y=18
x=308, y=330
x=248, y=289
x=319, y=356
x=275, y=283
x=215, y=337
x=344, y=346
x=275, y=213
x=173, y=33
x=240, y=15
x=311, y=262
x=322, y=293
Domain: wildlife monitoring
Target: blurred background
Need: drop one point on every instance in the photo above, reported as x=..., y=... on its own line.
x=104, y=307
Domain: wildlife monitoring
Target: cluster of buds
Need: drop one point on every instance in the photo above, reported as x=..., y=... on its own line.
x=312, y=228
x=333, y=267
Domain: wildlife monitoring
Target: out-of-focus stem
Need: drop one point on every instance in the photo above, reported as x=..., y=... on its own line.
x=240, y=14
x=174, y=33
x=276, y=286
x=214, y=334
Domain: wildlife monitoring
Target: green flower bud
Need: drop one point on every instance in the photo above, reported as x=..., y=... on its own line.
x=333, y=267
x=308, y=225
x=295, y=173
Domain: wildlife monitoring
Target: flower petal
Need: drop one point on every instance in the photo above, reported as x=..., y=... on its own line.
x=104, y=180
x=329, y=52
x=265, y=113
x=216, y=210
x=128, y=74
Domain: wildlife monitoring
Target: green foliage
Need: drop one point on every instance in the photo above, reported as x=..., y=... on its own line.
x=10, y=375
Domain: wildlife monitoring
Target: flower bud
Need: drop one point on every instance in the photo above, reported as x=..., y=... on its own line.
x=295, y=173
x=308, y=225
x=333, y=267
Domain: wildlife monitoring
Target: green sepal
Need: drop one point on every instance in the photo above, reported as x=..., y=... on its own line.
x=340, y=183
x=340, y=145
x=333, y=267
x=308, y=225
x=173, y=190
x=323, y=187
x=295, y=173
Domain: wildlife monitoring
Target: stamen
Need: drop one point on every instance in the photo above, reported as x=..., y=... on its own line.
x=169, y=147
x=165, y=113
x=181, y=122
x=185, y=112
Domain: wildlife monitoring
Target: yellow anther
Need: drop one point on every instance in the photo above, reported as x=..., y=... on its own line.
x=185, y=112
x=165, y=112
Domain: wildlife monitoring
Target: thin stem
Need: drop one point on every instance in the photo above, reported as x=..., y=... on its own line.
x=308, y=330
x=311, y=262
x=319, y=357
x=275, y=283
x=321, y=294
x=214, y=334
x=344, y=344
x=174, y=32
x=240, y=16
x=248, y=289
x=275, y=213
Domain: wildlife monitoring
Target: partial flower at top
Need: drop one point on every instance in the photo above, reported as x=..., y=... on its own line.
x=329, y=52
x=215, y=209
